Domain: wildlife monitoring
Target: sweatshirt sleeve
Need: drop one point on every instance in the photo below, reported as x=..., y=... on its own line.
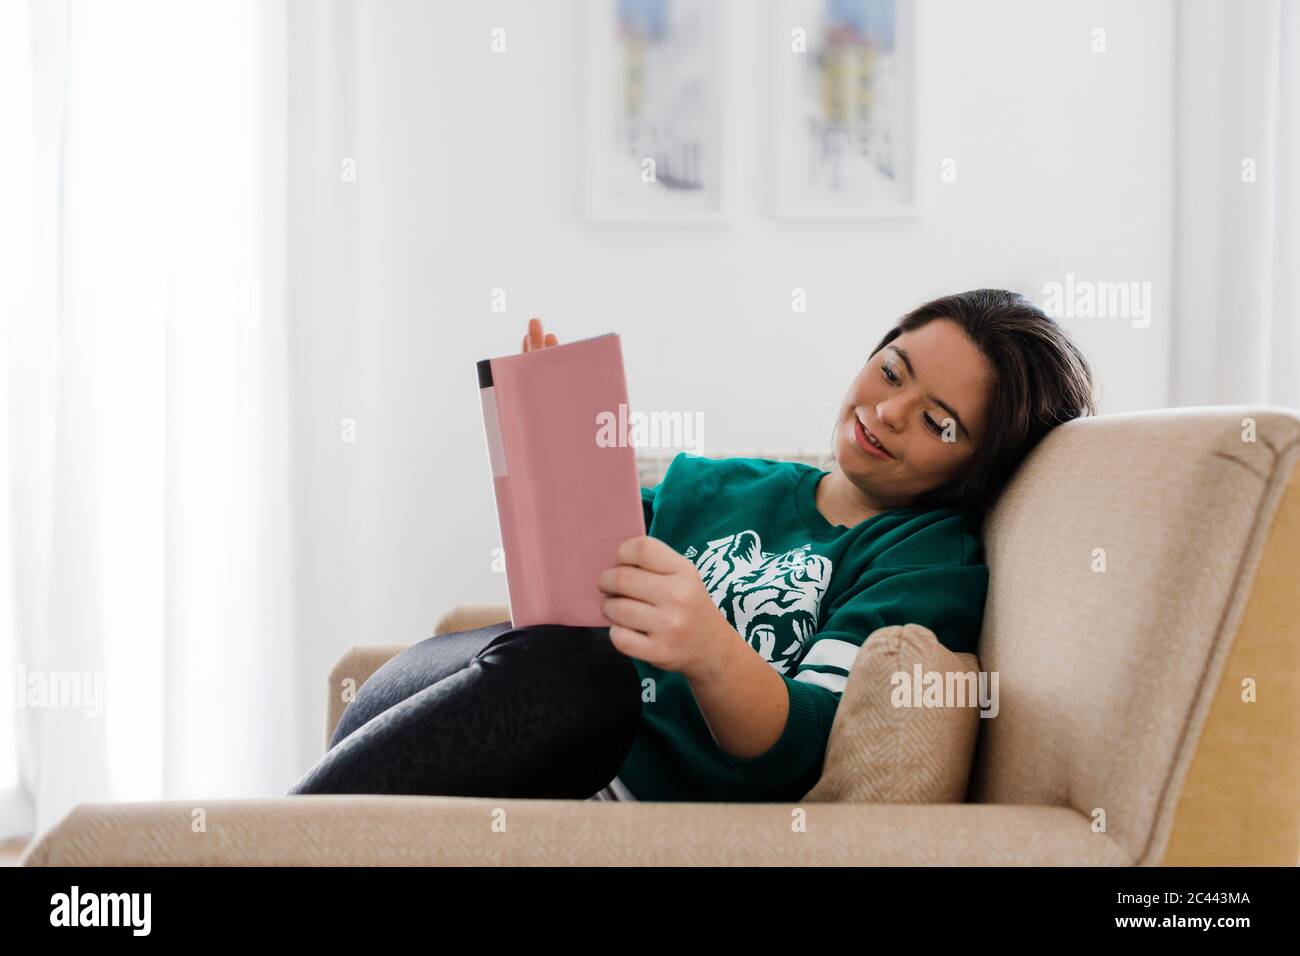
x=948, y=599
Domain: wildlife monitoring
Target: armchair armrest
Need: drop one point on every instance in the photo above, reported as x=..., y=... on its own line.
x=467, y=617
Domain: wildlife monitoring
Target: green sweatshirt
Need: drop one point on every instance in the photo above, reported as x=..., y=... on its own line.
x=804, y=594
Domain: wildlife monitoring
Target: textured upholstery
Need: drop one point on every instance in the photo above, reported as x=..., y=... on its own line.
x=882, y=753
x=329, y=829
x=1107, y=675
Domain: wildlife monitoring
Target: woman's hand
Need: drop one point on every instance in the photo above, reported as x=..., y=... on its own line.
x=535, y=338
x=661, y=612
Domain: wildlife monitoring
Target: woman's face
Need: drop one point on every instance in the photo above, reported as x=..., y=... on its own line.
x=924, y=397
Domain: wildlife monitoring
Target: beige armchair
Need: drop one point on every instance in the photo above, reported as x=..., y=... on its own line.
x=1143, y=616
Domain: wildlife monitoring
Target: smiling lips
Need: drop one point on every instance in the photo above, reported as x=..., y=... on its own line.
x=868, y=442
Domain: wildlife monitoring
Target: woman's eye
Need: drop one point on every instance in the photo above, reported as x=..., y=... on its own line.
x=889, y=374
x=933, y=425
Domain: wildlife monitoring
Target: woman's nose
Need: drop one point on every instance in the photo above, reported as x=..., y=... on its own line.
x=888, y=414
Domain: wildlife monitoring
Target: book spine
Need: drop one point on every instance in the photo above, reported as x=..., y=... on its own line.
x=517, y=522
x=503, y=498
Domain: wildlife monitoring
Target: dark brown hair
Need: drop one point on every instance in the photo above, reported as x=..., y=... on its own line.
x=1041, y=380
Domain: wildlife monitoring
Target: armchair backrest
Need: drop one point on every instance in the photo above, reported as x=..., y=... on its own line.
x=1144, y=620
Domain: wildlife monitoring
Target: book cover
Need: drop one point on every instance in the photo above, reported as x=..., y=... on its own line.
x=566, y=495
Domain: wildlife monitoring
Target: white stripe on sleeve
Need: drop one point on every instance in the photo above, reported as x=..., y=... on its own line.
x=831, y=653
x=832, y=682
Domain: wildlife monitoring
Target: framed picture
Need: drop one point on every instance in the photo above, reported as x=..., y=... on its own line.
x=844, y=96
x=654, y=111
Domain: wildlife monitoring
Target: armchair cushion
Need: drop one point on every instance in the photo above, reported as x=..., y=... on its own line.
x=891, y=745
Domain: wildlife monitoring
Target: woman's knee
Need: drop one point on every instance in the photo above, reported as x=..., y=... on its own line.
x=410, y=671
x=581, y=660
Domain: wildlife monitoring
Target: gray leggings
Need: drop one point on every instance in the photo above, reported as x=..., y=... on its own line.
x=547, y=711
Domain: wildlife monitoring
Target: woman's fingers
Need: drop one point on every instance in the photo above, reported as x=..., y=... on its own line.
x=632, y=614
x=536, y=337
x=631, y=643
x=632, y=582
x=650, y=553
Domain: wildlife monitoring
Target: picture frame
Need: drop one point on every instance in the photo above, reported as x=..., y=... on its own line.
x=844, y=126
x=656, y=149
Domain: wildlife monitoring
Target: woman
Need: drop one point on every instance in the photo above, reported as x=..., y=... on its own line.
x=736, y=618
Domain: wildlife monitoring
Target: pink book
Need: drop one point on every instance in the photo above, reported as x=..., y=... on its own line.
x=567, y=490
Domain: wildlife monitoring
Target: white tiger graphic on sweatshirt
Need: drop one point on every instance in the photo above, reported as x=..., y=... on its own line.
x=772, y=600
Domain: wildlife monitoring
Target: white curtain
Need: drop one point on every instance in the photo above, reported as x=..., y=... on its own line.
x=146, y=622
x=1236, y=333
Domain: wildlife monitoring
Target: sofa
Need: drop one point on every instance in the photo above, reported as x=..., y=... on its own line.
x=1143, y=617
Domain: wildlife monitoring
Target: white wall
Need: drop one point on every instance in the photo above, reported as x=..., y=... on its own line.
x=467, y=180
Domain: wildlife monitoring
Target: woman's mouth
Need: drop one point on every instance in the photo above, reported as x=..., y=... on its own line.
x=868, y=442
